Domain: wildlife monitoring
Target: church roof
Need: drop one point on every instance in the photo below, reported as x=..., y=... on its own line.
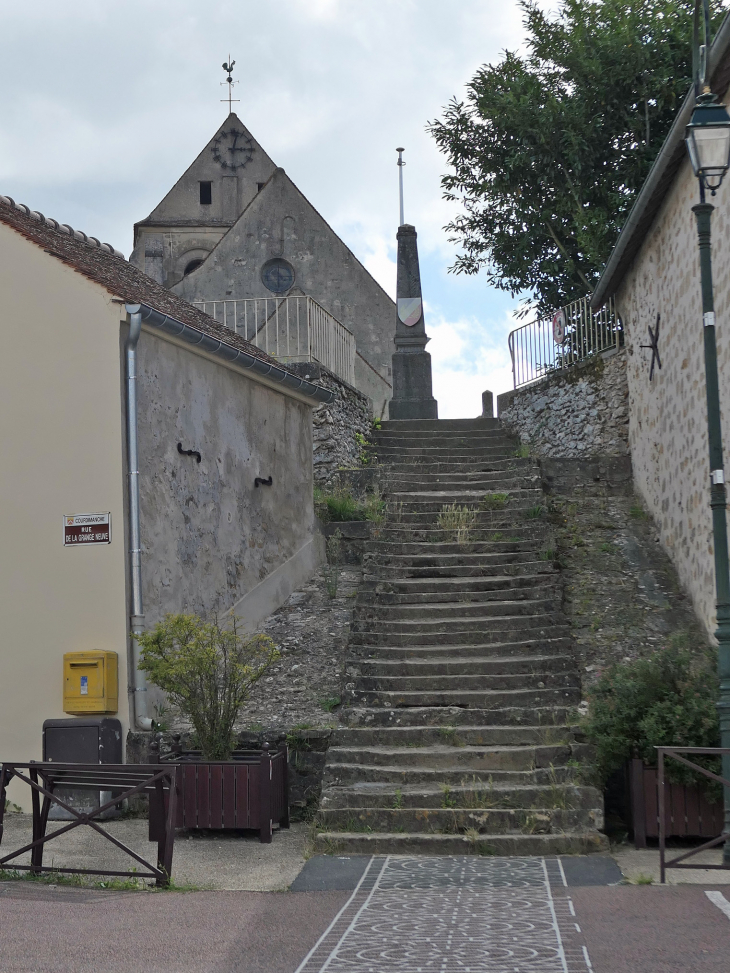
x=101, y=263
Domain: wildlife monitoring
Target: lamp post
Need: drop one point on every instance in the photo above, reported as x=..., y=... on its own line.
x=708, y=143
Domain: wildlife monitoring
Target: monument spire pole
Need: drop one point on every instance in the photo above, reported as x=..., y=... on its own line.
x=401, y=163
x=411, y=370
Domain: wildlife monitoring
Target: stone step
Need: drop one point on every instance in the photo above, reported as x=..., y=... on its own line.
x=464, y=565
x=547, y=647
x=472, y=736
x=455, y=612
x=476, y=698
x=503, y=630
x=521, y=540
x=535, y=586
x=466, y=759
x=475, y=793
x=436, y=425
x=378, y=843
x=403, y=774
x=469, y=440
x=453, y=588
x=548, y=714
x=468, y=667
x=531, y=679
x=457, y=821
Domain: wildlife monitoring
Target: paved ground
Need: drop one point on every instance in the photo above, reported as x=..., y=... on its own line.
x=356, y=914
x=216, y=860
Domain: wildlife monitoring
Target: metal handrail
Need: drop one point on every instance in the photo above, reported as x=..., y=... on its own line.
x=674, y=753
x=290, y=329
x=536, y=348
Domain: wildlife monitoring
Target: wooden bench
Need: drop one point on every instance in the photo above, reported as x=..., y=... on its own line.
x=158, y=782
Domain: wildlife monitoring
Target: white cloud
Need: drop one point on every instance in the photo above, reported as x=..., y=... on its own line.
x=105, y=105
x=468, y=358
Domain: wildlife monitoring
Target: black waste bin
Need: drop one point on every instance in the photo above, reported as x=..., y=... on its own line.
x=83, y=740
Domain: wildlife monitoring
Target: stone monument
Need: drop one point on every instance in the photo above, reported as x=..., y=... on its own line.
x=412, y=389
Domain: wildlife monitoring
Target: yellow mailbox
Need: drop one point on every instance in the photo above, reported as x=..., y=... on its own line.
x=90, y=682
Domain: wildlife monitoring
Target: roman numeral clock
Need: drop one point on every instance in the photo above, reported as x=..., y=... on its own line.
x=232, y=149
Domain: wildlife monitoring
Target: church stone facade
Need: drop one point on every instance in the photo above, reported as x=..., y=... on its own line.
x=236, y=227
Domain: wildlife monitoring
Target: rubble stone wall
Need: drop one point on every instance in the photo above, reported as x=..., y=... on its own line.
x=336, y=424
x=581, y=412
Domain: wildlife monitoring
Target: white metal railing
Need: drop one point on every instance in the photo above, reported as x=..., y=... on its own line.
x=571, y=335
x=289, y=329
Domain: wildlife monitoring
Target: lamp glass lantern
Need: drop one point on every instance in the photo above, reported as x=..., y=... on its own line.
x=708, y=141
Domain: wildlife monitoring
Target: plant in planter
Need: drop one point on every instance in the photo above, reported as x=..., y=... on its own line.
x=207, y=672
x=668, y=699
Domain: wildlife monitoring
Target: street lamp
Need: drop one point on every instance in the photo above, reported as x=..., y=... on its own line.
x=708, y=143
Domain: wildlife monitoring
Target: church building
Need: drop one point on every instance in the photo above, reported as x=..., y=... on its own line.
x=235, y=236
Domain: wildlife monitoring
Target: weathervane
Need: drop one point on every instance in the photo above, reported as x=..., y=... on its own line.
x=228, y=68
x=400, y=163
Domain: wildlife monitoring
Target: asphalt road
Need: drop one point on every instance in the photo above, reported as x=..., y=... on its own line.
x=79, y=931
x=653, y=929
x=626, y=929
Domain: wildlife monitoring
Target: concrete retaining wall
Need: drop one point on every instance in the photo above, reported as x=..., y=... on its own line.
x=580, y=412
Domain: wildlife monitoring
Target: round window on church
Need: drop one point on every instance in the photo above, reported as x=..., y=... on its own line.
x=277, y=275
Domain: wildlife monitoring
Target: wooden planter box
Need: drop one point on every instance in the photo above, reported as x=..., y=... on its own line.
x=251, y=790
x=688, y=812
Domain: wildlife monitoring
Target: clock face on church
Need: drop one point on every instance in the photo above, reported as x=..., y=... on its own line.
x=232, y=149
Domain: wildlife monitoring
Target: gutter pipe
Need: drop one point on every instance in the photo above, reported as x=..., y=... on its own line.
x=138, y=679
x=228, y=353
x=605, y=286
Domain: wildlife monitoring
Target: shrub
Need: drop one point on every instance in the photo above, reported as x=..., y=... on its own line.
x=207, y=673
x=668, y=699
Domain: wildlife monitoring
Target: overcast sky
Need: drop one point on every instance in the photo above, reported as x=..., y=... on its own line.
x=105, y=104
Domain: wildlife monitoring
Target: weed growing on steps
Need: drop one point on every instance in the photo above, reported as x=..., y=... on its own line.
x=522, y=451
x=446, y=799
x=330, y=703
x=449, y=735
x=458, y=521
x=536, y=512
x=548, y=554
x=494, y=501
x=557, y=795
x=398, y=800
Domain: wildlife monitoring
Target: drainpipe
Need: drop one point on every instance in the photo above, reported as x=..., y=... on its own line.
x=138, y=682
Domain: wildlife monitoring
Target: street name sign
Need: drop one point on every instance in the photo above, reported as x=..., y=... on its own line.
x=84, y=529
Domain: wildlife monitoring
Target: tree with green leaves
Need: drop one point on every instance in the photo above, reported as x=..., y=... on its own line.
x=550, y=148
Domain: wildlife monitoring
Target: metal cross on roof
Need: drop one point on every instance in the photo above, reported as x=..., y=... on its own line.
x=228, y=68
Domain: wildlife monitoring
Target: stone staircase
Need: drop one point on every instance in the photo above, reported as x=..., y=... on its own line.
x=457, y=736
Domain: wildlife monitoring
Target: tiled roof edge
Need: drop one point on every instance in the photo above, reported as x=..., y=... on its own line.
x=64, y=228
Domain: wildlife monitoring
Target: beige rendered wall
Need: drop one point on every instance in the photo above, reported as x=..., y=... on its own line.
x=668, y=416
x=210, y=536
x=61, y=426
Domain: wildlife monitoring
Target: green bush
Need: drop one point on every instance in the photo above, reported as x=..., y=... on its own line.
x=668, y=699
x=207, y=673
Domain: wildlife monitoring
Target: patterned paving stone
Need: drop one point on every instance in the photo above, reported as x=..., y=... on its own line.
x=455, y=915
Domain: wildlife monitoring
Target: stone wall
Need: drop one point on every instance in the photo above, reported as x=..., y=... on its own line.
x=580, y=412
x=336, y=424
x=668, y=429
